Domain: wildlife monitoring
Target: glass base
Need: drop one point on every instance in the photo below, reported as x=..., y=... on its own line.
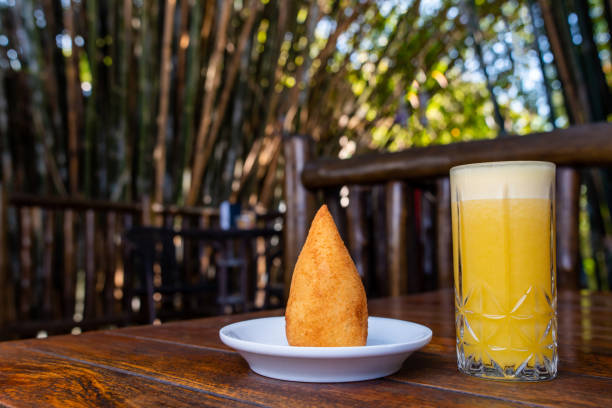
x=538, y=372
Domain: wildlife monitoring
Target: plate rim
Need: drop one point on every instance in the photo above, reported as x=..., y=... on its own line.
x=325, y=352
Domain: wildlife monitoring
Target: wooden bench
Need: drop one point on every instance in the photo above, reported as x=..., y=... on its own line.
x=398, y=216
x=62, y=263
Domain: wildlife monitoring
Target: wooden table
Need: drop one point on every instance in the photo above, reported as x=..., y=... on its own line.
x=185, y=364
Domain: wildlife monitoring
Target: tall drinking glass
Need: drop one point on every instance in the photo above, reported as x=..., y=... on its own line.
x=504, y=265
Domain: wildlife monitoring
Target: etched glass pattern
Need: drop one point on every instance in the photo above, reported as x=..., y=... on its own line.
x=505, y=288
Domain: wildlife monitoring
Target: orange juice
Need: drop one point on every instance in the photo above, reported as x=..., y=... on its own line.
x=504, y=267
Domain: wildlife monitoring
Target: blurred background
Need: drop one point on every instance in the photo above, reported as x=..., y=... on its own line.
x=185, y=102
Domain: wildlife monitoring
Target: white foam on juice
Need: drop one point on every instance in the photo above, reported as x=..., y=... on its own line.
x=497, y=180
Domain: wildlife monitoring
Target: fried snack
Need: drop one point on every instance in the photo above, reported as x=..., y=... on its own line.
x=327, y=303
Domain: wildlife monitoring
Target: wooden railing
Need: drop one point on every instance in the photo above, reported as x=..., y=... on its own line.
x=397, y=223
x=62, y=260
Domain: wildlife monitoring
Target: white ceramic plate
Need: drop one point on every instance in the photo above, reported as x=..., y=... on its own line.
x=263, y=344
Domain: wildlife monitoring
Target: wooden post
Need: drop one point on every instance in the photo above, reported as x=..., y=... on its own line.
x=146, y=211
x=428, y=242
x=567, y=196
x=25, y=257
x=414, y=266
x=126, y=299
x=358, y=231
x=47, y=269
x=299, y=201
x=90, y=267
x=243, y=256
x=396, y=221
x=222, y=276
x=7, y=290
x=69, y=264
x=444, y=252
x=5, y=286
x=205, y=253
x=148, y=308
x=111, y=263
x=380, y=281
x=101, y=262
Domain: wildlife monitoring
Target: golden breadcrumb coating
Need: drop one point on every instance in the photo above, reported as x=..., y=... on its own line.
x=327, y=303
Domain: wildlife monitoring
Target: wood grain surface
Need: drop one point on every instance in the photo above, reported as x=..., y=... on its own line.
x=185, y=364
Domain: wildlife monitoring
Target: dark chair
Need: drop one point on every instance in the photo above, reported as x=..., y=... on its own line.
x=194, y=272
x=397, y=222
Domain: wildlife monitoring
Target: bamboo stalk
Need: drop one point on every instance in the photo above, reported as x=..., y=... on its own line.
x=22, y=177
x=316, y=123
x=114, y=140
x=72, y=95
x=267, y=190
x=213, y=79
x=572, y=100
x=5, y=156
x=126, y=104
x=267, y=155
x=332, y=41
x=209, y=19
x=131, y=103
x=56, y=91
x=600, y=100
x=270, y=123
x=26, y=140
x=476, y=34
x=181, y=67
x=295, y=91
x=197, y=36
x=247, y=168
x=608, y=14
x=536, y=45
x=402, y=31
x=254, y=8
x=38, y=112
x=238, y=127
x=159, y=154
x=261, y=155
x=357, y=122
x=50, y=163
x=91, y=114
x=51, y=76
x=147, y=92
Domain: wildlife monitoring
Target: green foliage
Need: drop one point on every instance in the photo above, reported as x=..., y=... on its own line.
x=381, y=74
x=416, y=80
